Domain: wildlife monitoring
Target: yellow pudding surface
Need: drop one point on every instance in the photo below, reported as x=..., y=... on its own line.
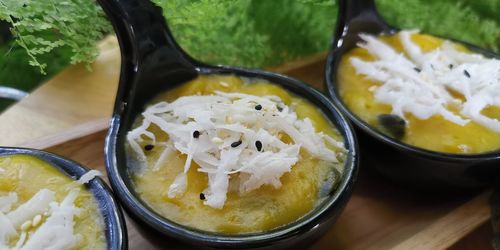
x=435, y=133
x=26, y=175
x=259, y=210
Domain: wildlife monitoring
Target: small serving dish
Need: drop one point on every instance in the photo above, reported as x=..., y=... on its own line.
x=409, y=165
x=114, y=229
x=152, y=62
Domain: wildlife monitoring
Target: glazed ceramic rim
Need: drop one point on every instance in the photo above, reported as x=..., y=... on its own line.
x=115, y=228
x=147, y=215
x=333, y=62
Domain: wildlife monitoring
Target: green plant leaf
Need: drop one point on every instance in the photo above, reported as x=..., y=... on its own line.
x=68, y=20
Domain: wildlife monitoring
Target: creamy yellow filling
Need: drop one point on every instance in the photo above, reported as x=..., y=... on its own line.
x=26, y=175
x=259, y=210
x=435, y=133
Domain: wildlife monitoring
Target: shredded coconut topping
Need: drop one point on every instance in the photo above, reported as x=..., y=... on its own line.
x=89, y=176
x=229, y=134
x=54, y=221
x=420, y=83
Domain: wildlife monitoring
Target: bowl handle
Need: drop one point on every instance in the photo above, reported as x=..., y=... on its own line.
x=143, y=33
x=9, y=93
x=357, y=16
x=350, y=9
x=151, y=58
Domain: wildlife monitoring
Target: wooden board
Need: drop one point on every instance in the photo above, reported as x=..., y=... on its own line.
x=378, y=216
x=68, y=115
x=77, y=98
x=74, y=97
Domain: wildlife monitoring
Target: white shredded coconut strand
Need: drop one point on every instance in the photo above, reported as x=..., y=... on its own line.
x=7, y=201
x=89, y=176
x=222, y=121
x=420, y=83
x=7, y=230
x=56, y=233
x=36, y=205
x=163, y=156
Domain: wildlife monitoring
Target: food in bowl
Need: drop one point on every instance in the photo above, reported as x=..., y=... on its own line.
x=43, y=208
x=424, y=91
x=230, y=155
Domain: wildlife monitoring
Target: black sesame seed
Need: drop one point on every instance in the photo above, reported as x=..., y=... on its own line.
x=196, y=134
x=393, y=124
x=258, y=107
x=202, y=196
x=417, y=69
x=450, y=66
x=258, y=145
x=148, y=147
x=279, y=108
x=466, y=73
x=236, y=143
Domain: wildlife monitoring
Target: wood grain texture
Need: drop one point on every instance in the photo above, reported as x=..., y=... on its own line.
x=463, y=219
x=378, y=216
x=79, y=97
x=481, y=238
x=381, y=215
x=68, y=115
x=73, y=97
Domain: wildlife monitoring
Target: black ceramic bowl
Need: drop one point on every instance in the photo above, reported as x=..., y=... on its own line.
x=408, y=165
x=116, y=232
x=151, y=63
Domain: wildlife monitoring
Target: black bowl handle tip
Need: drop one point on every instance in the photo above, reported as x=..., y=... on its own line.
x=350, y=9
x=151, y=58
x=358, y=16
x=146, y=42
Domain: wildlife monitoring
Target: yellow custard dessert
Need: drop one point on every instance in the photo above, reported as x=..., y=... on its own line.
x=424, y=91
x=42, y=208
x=245, y=174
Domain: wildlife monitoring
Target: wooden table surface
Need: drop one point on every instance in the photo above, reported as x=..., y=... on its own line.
x=69, y=114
